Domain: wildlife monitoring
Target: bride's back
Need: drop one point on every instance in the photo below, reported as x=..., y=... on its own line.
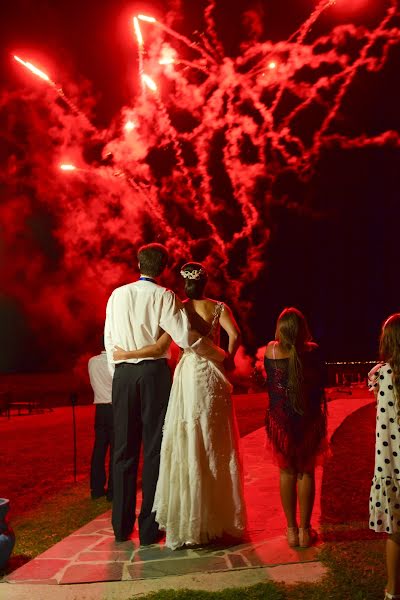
x=201, y=314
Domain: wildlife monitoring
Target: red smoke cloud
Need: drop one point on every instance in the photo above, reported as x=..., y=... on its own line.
x=197, y=171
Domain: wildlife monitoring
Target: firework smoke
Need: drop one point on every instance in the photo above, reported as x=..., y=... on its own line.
x=196, y=163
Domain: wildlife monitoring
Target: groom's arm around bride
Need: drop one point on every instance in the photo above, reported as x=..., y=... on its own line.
x=136, y=313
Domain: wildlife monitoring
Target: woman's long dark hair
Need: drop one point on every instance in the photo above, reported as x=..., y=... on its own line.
x=293, y=334
x=389, y=350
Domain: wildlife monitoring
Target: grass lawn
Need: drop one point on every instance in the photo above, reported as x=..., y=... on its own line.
x=50, y=506
x=356, y=572
x=50, y=522
x=37, y=474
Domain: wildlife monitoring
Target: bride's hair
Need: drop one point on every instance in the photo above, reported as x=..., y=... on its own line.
x=195, y=277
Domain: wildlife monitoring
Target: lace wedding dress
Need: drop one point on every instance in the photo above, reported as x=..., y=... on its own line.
x=199, y=493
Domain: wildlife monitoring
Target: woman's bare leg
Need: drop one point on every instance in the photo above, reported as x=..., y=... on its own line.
x=393, y=563
x=306, y=492
x=288, y=480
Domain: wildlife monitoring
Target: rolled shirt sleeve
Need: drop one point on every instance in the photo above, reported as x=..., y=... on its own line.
x=174, y=320
x=108, y=342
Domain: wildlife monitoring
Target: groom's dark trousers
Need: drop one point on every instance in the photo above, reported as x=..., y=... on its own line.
x=140, y=396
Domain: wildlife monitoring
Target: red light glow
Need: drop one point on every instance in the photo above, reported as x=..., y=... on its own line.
x=147, y=19
x=345, y=7
x=148, y=81
x=138, y=31
x=194, y=161
x=33, y=69
x=166, y=61
x=168, y=55
x=129, y=126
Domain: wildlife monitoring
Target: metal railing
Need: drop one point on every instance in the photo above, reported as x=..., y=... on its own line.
x=347, y=372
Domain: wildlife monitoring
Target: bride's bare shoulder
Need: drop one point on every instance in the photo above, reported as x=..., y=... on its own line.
x=212, y=303
x=207, y=305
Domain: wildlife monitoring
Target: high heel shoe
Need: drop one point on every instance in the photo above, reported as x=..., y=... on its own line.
x=292, y=535
x=391, y=596
x=305, y=537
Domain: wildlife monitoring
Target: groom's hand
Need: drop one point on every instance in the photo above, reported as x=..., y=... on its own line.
x=119, y=353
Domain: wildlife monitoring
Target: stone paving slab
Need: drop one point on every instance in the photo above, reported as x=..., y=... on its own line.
x=126, y=590
x=91, y=554
x=311, y=572
x=39, y=570
x=90, y=572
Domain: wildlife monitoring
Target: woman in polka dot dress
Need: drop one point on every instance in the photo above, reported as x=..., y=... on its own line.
x=384, y=380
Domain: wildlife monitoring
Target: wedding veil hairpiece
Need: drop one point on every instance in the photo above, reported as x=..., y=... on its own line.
x=195, y=274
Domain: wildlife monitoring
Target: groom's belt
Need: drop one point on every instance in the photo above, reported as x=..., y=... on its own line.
x=140, y=362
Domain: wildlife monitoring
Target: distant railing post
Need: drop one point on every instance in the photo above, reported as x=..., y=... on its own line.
x=342, y=373
x=74, y=400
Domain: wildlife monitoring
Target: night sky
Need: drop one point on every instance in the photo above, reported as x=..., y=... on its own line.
x=93, y=40
x=333, y=243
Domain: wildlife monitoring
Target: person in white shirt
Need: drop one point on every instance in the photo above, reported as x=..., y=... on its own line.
x=137, y=314
x=199, y=494
x=101, y=382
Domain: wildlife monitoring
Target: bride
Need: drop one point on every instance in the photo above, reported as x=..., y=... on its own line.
x=199, y=495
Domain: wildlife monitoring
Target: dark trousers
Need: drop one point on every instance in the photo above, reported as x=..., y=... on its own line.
x=140, y=396
x=103, y=440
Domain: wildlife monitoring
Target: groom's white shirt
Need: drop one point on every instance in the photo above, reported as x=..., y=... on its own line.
x=135, y=315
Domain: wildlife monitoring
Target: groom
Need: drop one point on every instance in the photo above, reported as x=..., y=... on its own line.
x=135, y=315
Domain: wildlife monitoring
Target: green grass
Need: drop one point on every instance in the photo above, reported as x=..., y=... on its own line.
x=356, y=569
x=49, y=523
x=354, y=557
x=265, y=591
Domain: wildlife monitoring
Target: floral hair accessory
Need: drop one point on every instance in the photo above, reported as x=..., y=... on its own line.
x=195, y=274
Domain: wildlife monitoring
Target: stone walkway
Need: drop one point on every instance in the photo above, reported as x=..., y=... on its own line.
x=91, y=555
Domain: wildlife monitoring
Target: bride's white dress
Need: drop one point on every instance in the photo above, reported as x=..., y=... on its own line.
x=199, y=493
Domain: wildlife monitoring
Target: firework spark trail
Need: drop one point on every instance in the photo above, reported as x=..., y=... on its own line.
x=301, y=33
x=389, y=138
x=171, y=135
x=139, y=39
x=185, y=63
x=59, y=91
x=101, y=212
x=170, y=132
x=213, y=120
x=182, y=38
x=148, y=196
x=313, y=92
x=208, y=208
x=210, y=22
x=231, y=151
x=240, y=183
x=352, y=72
x=305, y=28
x=283, y=86
x=209, y=48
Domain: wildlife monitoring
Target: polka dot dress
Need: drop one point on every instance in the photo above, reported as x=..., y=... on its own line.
x=385, y=488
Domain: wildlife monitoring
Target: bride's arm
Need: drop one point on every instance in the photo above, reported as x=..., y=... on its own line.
x=151, y=351
x=229, y=324
x=206, y=348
